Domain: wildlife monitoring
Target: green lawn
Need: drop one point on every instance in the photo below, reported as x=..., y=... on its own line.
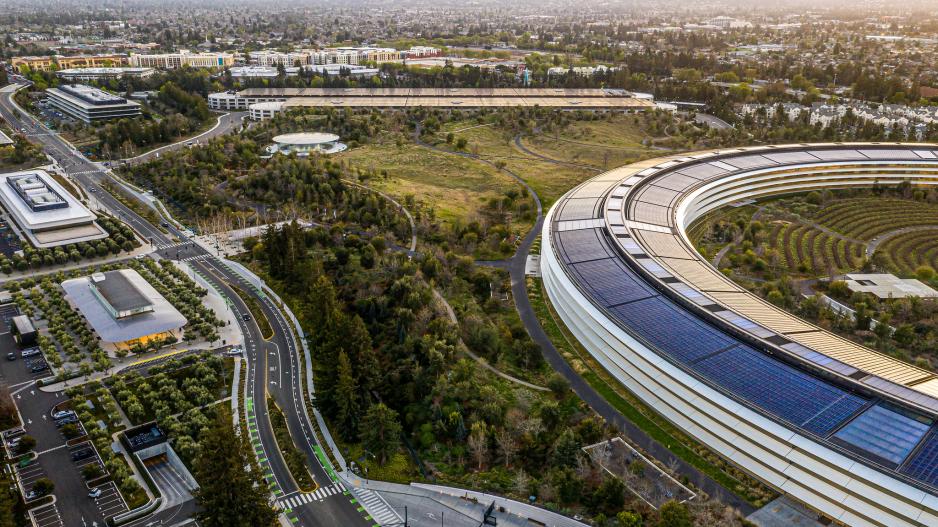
x=604, y=144
x=454, y=186
x=549, y=180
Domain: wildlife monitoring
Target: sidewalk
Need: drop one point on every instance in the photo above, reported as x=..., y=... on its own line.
x=462, y=504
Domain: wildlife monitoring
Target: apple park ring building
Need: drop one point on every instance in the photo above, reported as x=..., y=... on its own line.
x=845, y=430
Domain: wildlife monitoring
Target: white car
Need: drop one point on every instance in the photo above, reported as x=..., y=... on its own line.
x=62, y=414
x=234, y=352
x=94, y=493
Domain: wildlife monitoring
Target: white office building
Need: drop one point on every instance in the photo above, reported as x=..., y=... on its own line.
x=98, y=74
x=273, y=58
x=355, y=55
x=183, y=57
x=90, y=104
x=123, y=308
x=240, y=73
x=45, y=213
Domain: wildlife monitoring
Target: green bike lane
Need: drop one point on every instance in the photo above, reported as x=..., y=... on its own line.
x=274, y=369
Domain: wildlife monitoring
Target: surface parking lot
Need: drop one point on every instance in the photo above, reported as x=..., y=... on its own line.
x=7, y=312
x=30, y=474
x=93, y=459
x=110, y=501
x=46, y=516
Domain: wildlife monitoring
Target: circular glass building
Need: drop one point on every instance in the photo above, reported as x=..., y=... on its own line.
x=302, y=144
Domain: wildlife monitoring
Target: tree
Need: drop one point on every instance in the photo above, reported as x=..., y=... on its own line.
x=381, y=432
x=479, y=443
x=629, y=519
x=229, y=494
x=611, y=494
x=346, y=397
x=26, y=444
x=566, y=448
x=674, y=514
x=924, y=273
x=43, y=486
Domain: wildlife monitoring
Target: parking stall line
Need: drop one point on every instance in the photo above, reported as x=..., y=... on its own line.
x=46, y=516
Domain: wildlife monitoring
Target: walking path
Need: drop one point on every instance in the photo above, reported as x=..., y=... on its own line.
x=516, y=267
x=551, y=160
x=451, y=314
x=467, y=504
x=882, y=238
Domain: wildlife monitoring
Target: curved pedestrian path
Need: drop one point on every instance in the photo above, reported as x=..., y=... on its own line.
x=520, y=145
x=519, y=289
x=874, y=244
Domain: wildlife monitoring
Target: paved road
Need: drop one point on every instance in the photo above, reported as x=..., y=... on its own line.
x=274, y=368
x=279, y=352
x=226, y=123
x=592, y=398
x=712, y=121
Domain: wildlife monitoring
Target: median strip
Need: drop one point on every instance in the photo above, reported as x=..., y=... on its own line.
x=295, y=460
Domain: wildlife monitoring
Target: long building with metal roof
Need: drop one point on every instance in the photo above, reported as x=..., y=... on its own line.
x=842, y=428
x=389, y=98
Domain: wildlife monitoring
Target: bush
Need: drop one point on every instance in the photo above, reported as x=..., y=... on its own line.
x=44, y=486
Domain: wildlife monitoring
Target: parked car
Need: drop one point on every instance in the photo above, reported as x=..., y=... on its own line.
x=78, y=455
x=234, y=352
x=67, y=421
x=14, y=432
x=38, y=367
x=31, y=352
x=31, y=495
x=94, y=493
x=62, y=414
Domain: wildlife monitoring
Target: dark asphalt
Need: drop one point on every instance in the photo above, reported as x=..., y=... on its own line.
x=519, y=290
x=599, y=404
x=281, y=350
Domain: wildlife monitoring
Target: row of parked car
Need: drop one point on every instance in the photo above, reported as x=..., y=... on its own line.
x=38, y=362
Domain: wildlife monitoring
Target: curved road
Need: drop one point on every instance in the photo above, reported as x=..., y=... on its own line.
x=273, y=365
x=519, y=289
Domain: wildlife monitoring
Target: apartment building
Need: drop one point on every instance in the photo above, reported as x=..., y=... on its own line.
x=273, y=58
x=355, y=55
x=183, y=57
x=57, y=62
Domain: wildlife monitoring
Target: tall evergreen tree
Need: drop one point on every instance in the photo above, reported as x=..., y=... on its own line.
x=346, y=398
x=381, y=432
x=230, y=496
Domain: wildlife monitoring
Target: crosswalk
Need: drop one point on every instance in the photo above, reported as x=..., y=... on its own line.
x=377, y=507
x=164, y=246
x=196, y=257
x=301, y=499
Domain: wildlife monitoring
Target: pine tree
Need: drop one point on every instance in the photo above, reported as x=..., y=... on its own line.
x=381, y=432
x=362, y=353
x=346, y=398
x=230, y=495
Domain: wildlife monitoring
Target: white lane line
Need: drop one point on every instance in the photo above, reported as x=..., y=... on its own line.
x=50, y=450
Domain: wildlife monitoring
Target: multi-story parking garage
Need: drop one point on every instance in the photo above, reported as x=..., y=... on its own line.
x=839, y=427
